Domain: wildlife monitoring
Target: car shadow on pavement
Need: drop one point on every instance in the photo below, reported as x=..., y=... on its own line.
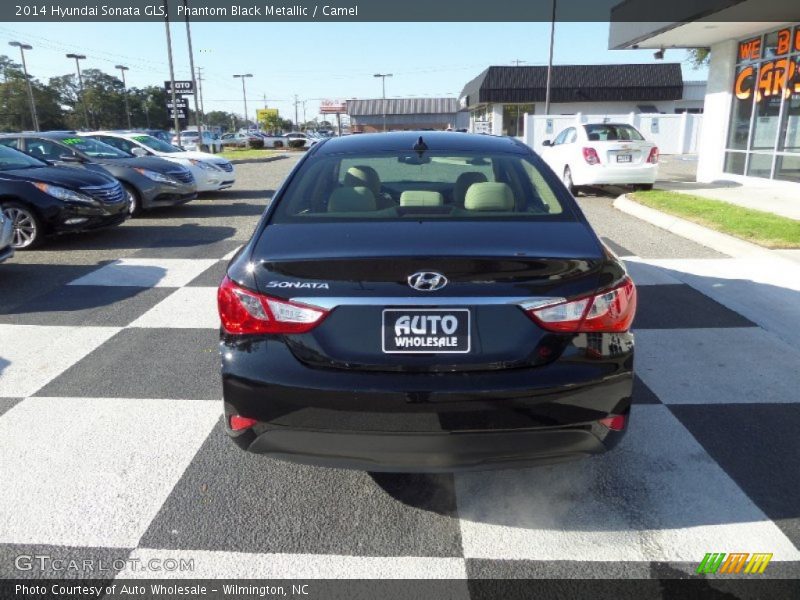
x=133, y=236
x=712, y=460
x=205, y=210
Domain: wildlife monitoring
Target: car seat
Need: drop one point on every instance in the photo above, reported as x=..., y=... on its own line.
x=351, y=199
x=489, y=196
x=463, y=182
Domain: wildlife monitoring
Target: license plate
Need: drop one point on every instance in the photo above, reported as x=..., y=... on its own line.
x=439, y=331
x=623, y=158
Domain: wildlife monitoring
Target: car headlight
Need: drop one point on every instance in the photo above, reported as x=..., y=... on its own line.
x=155, y=176
x=64, y=193
x=203, y=165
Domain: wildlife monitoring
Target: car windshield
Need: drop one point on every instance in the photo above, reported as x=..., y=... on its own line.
x=607, y=132
x=93, y=148
x=12, y=159
x=399, y=187
x=156, y=144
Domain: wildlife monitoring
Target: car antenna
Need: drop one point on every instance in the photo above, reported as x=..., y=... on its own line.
x=420, y=147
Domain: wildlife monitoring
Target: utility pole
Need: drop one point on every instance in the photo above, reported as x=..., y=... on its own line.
x=550, y=60
x=197, y=122
x=518, y=62
x=244, y=97
x=78, y=58
x=172, y=76
x=22, y=48
x=122, y=69
x=296, y=101
x=200, y=90
x=383, y=77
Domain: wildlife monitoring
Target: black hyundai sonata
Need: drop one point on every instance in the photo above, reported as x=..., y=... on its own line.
x=425, y=302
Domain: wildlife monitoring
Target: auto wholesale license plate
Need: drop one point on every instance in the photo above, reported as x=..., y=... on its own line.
x=625, y=158
x=434, y=330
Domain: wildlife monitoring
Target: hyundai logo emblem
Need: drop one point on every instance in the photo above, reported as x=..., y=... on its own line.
x=427, y=281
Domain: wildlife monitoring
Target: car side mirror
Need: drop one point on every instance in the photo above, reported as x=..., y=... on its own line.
x=70, y=158
x=547, y=143
x=139, y=152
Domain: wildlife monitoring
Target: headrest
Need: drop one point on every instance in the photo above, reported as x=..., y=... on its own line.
x=351, y=199
x=363, y=176
x=462, y=185
x=489, y=196
x=421, y=198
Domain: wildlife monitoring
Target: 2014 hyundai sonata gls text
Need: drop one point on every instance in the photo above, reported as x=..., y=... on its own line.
x=425, y=302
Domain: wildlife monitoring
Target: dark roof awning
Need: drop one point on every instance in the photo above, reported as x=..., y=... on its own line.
x=402, y=106
x=577, y=83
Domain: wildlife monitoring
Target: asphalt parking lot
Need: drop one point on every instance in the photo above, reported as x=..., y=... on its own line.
x=112, y=443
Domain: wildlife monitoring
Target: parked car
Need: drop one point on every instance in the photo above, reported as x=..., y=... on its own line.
x=6, y=236
x=149, y=182
x=210, y=172
x=161, y=134
x=235, y=140
x=38, y=200
x=454, y=311
x=191, y=141
x=602, y=154
x=299, y=135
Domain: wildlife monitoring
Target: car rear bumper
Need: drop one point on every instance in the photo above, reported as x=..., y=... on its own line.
x=383, y=421
x=6, y=233
x=6, y=253
x=603, y=175
x=445, y=452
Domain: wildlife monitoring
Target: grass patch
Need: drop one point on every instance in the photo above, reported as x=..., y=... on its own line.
x=762, y=228
x=233, y=154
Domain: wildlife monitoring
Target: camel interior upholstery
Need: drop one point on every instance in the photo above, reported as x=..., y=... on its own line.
x=489, y=196
x=421, y=198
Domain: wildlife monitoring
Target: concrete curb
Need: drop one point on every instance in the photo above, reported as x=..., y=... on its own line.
x=266, y=159
x=721, y=242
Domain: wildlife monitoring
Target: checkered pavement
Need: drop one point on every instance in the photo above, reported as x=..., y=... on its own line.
x=112, y=446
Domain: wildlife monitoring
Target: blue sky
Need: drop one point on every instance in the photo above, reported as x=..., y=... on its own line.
x=316, y=60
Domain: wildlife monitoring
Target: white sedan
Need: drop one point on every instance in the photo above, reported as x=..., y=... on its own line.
x=190, y=140
x=212, y=173
x=602, y=154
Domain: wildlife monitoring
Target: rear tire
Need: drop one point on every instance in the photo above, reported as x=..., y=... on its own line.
x=277, y=145
x=643, y=187
x=568, y=183
x=28, y=230
x=135, y=200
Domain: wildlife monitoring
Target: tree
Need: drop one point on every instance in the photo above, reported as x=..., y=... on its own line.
x=270, y=122
x=219, y=118
x=698, y=57
x=15, y=108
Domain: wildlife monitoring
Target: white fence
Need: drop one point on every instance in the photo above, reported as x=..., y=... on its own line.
x=673, y=134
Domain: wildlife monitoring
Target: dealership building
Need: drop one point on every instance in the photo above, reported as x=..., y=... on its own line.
x=751, y=122
x=499, y=98
x=367, y=116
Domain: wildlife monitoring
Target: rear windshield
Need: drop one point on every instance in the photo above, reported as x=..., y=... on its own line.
x=396, y=187
x=608, y=132
x=93, y=148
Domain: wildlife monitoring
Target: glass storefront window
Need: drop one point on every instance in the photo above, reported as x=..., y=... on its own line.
x=765, y=114
x=788, y=168
x=734, y=162
x=514, y=118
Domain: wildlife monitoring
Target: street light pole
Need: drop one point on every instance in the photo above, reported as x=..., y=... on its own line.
x=550, y=61
x=78, y=58
x=122, y=69
x=244, y=97
x=191, y=67
x=383, y=77
x=175, y=119
x=22, y=48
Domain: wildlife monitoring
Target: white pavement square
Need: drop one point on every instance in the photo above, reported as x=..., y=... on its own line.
x=32, y=355
x=239, y=565
x=657, y=497
x=194, y=307
x=718, y=366
x=93, y=471
x=147, y=272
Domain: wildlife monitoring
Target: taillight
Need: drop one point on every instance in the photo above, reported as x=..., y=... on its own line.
x=590, y=156
x=239, y=423
x=653, y=156
x=610, y=311
x=614, y=422
x=246, y=312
